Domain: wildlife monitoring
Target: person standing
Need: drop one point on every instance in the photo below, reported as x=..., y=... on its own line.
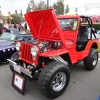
x=25, y=26
x=6, y=24
x=20, y=28
x=94, y=19
x=15, y=26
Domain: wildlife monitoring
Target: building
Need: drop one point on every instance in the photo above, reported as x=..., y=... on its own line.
x=92, y=5
x=86, y=7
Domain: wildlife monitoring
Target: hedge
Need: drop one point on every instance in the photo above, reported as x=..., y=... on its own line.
x=96, y=25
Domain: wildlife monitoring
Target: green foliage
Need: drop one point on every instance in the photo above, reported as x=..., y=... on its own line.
x=21, y=13
x=32, y=4
x=28, y=9
x=36, y=6
x=16, y=19
x=41, y=5
x=16, y=12
x=67, y=9
x=96, y=26
x=99, y=47
x=59, y=7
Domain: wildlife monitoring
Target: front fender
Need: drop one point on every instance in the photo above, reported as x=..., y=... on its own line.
x=54, y=53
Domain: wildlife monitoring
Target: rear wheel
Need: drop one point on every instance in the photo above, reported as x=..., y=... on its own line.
x=91, y=61
x=54, y=79
x=14, y=58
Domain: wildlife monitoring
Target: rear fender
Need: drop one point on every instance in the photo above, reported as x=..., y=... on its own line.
x=92, y=44
x=79, y=56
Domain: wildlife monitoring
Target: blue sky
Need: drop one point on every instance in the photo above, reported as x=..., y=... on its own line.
x=11, y=5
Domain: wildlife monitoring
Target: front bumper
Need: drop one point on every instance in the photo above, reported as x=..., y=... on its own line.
x=20, y=69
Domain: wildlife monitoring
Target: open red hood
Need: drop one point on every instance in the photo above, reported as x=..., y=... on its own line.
x=44, y=25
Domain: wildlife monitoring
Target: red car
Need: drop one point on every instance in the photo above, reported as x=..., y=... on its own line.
x=60, y=41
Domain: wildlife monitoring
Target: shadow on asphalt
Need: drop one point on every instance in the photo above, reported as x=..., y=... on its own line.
x=31, y=89
x=32, y=86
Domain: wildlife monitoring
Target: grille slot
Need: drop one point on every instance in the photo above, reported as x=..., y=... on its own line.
x=26, y=53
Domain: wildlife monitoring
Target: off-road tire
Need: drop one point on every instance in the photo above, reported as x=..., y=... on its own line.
x=47, y=76
x=14, y=57
x=88, y=61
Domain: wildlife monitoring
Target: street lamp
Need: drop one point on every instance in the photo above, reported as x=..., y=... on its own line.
x=76, y=9
x=47, y=4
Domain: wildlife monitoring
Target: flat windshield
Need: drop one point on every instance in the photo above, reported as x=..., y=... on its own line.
x=68, y=24
x=8, y=36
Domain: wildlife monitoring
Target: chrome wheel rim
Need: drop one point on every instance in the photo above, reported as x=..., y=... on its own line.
x=59, y=81
x=95, y=58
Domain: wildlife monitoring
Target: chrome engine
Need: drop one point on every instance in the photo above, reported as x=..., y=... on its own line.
x=49, y=46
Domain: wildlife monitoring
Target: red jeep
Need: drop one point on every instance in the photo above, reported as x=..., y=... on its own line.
x=59, y=41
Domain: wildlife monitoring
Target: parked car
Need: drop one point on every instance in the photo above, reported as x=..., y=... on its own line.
x=98, y=98
x=62, y=41
x=7, y=42
x=98, y=32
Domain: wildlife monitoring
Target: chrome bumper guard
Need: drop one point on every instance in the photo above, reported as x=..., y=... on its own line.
x=19, y=68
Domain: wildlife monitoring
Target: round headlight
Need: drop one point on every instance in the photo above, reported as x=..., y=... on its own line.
x=34, y=51
x=18, y=46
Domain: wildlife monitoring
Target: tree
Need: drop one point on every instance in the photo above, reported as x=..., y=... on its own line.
x=59, y=7
x=16, y=19
x=41, y=5
x=16, y=12
x=21, y=13
x=28, y=9
x=37, y=6
x=31, y=6
x=67, y=9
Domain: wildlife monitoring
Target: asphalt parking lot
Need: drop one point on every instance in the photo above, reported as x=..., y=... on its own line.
x=84, y=85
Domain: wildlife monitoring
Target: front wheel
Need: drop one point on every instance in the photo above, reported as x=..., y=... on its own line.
x=91, y=61
x=54, y=79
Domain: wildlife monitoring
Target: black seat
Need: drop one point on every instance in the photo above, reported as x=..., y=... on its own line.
x=82, y=38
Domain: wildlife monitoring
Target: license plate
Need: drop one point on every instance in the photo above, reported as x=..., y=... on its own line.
x=17, y=69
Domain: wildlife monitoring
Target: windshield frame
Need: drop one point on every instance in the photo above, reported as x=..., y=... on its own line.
x=70, y=28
